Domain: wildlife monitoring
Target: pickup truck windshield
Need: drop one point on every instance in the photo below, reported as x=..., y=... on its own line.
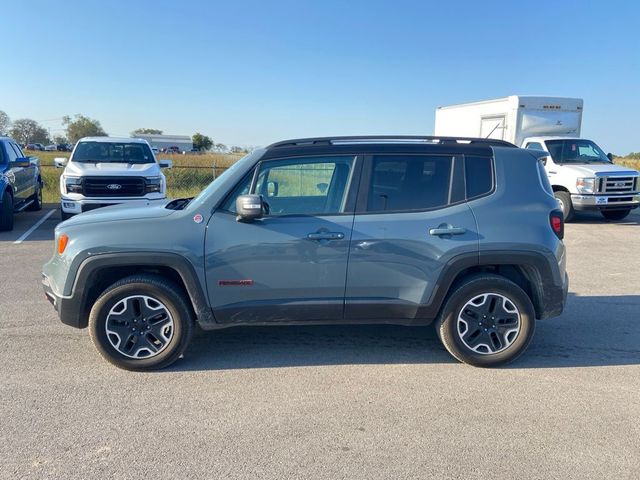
x=576, y=151
x=107, y=152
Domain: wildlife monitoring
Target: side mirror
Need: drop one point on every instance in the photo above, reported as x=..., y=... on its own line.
x=272, y=189
x=165, y=163
x=249, y=207
x=60, y=162
x=544, y=160
x=610, y=157
x=20, y=163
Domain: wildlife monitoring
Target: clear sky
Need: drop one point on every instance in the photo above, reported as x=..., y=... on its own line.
x=252, y=72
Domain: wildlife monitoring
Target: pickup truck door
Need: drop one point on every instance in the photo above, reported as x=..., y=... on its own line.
x=14, y=175
x=290, y=265
x=27, y=175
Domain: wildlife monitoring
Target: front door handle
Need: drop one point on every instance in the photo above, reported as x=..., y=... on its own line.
x=445, y=229
x=326, y=236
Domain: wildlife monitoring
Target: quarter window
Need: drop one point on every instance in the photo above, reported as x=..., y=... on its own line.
x=478, y=173
x=409, y=182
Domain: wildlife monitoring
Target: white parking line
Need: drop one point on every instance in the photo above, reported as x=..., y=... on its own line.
x=32, y=229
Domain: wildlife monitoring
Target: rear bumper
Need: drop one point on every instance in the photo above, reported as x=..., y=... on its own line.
x=68, y=308
x=605, y=202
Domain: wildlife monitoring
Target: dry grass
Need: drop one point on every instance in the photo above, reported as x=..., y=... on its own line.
x=628, y=162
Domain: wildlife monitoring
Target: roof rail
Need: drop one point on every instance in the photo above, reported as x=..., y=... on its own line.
x=390, y=139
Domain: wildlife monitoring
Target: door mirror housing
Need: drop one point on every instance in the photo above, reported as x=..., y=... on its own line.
x=610, y=157
x=60, y=162
x=20, y=163
x=249, y=208
x=165, y=163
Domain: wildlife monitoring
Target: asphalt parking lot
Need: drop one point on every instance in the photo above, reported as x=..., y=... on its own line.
x=328, y=402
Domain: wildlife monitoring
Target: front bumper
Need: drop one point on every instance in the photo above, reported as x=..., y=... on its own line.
x=605, y=202
x=74, y=206
x=68, y=308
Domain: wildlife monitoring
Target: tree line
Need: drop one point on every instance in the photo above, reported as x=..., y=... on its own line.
x=26, y=130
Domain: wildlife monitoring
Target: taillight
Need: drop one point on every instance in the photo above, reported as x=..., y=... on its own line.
x=62, y=243
x=556, y=219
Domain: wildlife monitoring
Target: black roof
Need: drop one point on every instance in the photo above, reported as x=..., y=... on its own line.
x=385, y=144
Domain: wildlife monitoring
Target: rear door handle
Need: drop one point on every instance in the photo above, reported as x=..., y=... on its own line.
x=326, y=236
x=447, y=230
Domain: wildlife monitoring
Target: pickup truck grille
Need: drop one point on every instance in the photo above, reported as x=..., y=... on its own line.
x=617, y=184
x=113, y=186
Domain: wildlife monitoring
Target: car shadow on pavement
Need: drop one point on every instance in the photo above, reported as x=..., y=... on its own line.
x=593, y=331
x=594, y=218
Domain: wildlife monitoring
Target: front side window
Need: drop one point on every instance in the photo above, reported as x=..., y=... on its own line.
x=306, y=185
x=111, y=152
x=409, y=182
x=576, y=151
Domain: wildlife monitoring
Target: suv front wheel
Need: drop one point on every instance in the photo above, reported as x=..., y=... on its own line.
x=487, y=321
x=141, y=323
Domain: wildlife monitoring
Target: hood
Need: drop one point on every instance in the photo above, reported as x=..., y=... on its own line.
x=132, y=210
x=588, y=170
x=112, y=169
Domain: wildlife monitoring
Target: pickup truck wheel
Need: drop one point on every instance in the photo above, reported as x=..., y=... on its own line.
x=6, y=213
x=564, y=199
x=615, y=214
x=141, y=323
x=487, y=321
x=36, y=206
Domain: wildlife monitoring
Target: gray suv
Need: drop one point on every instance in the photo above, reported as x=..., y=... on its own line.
x=463, y=233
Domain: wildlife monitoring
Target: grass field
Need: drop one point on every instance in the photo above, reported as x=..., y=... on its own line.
x=191, y=173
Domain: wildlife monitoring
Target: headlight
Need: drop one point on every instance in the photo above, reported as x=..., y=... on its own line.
x=153, y=184
x=73, y=184
x=586, y=185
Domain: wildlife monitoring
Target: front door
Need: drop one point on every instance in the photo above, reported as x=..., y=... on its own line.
x=411, y=220
x=289, y=266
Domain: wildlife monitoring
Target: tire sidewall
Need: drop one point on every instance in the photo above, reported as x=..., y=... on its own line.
x=448, y=324
x=6, y=212
x=175, y=306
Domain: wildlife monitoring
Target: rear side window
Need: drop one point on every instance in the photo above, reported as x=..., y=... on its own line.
x=478, y=173
x=409, y=182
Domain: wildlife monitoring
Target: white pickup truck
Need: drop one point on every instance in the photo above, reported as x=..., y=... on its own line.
x=583, y=177
x=106, y=171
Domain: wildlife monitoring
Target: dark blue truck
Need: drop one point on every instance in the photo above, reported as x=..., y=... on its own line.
x=20, y=182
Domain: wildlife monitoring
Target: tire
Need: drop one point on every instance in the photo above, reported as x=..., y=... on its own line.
x=615, y=214
x=36, y=206
x=564, y=198
x=6, y=213
x=141, y=323
x=473, y=343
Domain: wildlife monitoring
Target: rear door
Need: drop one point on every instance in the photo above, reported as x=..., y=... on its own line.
x=27, y=175
x=289, y=266
x=411, y=219
x=16, y=175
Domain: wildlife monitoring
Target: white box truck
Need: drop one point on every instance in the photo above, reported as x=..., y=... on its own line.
x=583, y=177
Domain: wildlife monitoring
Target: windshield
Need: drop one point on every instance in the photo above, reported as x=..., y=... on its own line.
x=108, y=152
x=576, y=151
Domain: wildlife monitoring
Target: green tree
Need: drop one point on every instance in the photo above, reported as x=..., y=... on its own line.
x=201, y=142
x=26, y=130
x=81, y=126
x=5, y=123
x=146, y=131
x=59, y=139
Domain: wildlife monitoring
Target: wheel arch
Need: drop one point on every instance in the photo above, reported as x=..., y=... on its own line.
x=97, y=273
x=531, y=271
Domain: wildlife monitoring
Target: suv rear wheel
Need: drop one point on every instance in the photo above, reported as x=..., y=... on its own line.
x=141, y=323
x=487, y=321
